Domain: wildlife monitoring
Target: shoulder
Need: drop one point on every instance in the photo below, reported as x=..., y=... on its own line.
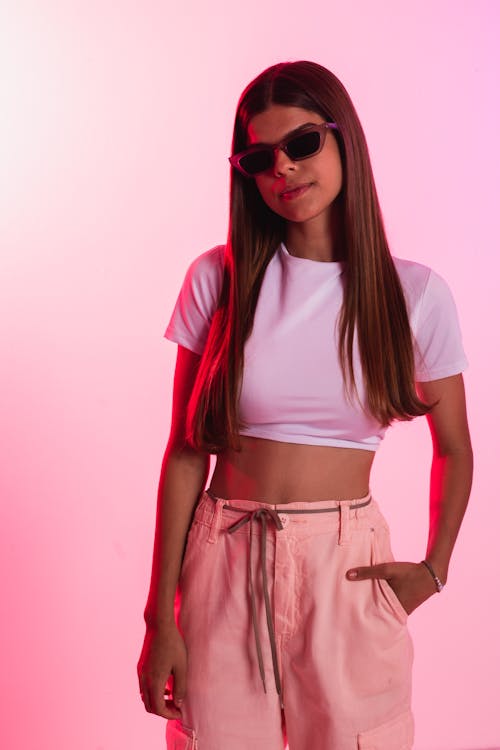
x=413, y=276
x=208, y=266
x=212, y=258
x=197, y=300
x=423, y=287
x=434, y=321
x=203, y=280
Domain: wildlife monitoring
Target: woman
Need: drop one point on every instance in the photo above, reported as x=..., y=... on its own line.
x=300, y=342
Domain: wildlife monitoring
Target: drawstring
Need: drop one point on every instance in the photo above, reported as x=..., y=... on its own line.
x=261, y=514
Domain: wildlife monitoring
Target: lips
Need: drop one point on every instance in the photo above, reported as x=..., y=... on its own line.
x=294, y=191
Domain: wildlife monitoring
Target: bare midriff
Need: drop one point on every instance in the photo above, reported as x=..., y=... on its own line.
x=273, y=472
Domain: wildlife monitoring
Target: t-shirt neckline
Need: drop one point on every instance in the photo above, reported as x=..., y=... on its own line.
x=336, y=265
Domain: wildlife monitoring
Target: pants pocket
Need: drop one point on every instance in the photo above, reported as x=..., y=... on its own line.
x=392, y=598
x=180, y=737
x=396, y=734
x=382, y=552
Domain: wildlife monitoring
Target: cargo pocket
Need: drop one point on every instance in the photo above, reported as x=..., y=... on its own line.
x=180, y=737
x=396, y=734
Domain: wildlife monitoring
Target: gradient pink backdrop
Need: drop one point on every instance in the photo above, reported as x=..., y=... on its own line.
x=115, y=125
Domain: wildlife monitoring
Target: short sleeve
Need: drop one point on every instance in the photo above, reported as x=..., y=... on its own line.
x=197, y=301
x=439, y=351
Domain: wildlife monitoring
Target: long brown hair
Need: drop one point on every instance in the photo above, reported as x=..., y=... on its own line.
x=373, y=311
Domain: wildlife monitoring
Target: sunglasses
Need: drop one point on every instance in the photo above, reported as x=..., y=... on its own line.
x=300, y=145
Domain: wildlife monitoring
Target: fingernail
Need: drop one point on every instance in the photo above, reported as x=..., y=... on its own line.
x=352, y=574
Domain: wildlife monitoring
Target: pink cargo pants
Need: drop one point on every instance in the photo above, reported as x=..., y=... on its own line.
x=281, y=646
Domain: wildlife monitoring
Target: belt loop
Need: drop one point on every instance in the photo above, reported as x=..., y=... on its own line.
x=344, y=531
x=216, y=519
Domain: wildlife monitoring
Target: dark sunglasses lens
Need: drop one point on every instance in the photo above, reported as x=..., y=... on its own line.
x=257, y=161
x=304, y=145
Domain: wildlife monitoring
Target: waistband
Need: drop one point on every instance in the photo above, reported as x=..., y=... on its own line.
x=292, y=507
x=255, y=512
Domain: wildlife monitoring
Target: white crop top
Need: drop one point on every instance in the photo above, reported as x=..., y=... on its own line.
x=292, y=388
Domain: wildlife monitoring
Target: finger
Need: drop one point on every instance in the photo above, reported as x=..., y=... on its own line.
x=142, y=688
x=171, y=711
x=164, y=708
x=159, y=696
x=179, y=691
x=146, y=699
x=382, y=570
x=150, y=691
x=168, y=709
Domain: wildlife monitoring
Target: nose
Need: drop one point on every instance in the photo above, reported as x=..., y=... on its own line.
x=282, y=162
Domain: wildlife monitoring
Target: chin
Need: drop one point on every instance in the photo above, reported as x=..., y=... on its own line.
x=300, y=216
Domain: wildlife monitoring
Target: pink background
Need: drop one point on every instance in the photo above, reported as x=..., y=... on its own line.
x=115, y=126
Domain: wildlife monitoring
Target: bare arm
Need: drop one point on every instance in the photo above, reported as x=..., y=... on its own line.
x=451, y=471
x=183, y=476
x=451, y=478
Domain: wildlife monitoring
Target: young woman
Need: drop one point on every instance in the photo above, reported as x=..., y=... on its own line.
x=300, y=341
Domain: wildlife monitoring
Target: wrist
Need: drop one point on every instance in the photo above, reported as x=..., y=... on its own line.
x=159, y=624
x=438, y=581
x=439, y=567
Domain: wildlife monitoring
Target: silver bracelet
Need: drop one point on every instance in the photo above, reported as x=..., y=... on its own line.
x=439, y=584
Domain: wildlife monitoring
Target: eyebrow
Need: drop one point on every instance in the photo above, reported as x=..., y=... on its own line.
x=290, y=134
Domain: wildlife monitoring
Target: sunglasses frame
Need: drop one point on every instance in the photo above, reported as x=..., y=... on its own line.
x=321, y=127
